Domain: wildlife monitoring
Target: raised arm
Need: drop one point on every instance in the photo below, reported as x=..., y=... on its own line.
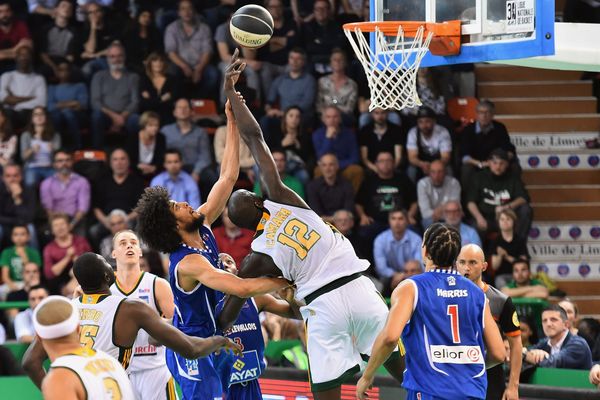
x=33, y=362
x=252, y=135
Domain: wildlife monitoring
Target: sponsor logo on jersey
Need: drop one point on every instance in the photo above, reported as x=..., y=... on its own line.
x=452, y=293
x=451, y=281
x=144, y=290
x=250, y=326
x=192, y=367
x=456, y=354
x=515, y=319
x=145, y=298
x=238, y=365
x=145, y=350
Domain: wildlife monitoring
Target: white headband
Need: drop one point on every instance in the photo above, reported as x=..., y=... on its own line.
x=61, y=329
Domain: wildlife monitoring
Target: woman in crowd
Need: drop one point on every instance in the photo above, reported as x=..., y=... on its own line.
x=338, y=89
x=142, y=39
x=159, y=91
x=147, y=149
x=38, y=143
x=572, y=314
x=507, y=248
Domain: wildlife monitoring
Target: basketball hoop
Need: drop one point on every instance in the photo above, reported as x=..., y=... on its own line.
x=391, y=65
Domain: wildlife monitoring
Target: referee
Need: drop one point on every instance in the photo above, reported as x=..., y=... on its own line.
x=471, y=264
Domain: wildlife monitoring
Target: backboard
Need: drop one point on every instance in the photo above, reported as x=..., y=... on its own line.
x=491, y=29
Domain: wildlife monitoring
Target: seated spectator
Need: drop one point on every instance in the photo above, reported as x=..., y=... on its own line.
x=67, y=105
x=117, y=220
x=24, y=331
x=17, y=202
x=480, y=138
x=523, y=285
x=14, y=258
x=572, y=314
x=60, y=254
x=233, y=240
x=97, y=36
x=433, y=89
x=494, y=190
x=247, y=162
x=114, y=98
x=589, y=329
x=296, y=142
x=452, y=215
x=142, y=39
x=394, y=248
x=189, y=45
x=14, y=35
x=180, y=184
x=288, y=180
x=191, y=141
x=8, y=140
x=330, y=192
x=507, y=248
x=38, y=143
x=31, y=278
x=529, y=335
x=159, y=90
x=336, y=139
x=425, y=143
x=22, y=90
x=560, y=348
x=337, y=89
x=147, y=149
x=59, y=39
x=378, y=136
x=434, y=191
x=66, y=192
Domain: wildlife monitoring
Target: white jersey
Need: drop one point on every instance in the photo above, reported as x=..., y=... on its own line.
x=97, y=315
x=306, y=249
x=101, y=375
x=146, y=356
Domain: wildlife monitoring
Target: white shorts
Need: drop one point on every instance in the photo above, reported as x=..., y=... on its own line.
x=153, y=384
x=341, y=327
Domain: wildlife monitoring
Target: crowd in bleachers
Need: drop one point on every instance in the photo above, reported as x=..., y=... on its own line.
x=127, y=80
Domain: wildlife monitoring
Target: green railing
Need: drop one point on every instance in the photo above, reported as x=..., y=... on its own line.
x=531, y=308
x=21, y=305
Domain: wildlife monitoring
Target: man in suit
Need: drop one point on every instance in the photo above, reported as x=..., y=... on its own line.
x=560, y=349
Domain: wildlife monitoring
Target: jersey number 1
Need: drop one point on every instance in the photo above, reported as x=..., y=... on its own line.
x=454, y=324
x=297, y=236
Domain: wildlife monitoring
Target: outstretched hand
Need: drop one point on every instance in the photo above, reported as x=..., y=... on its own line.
x=229, y=345
x=233, y=71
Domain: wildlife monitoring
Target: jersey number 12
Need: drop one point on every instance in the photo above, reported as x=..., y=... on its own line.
x=452, y=311
x=297, y=236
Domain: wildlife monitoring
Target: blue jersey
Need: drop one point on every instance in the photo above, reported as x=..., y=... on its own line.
x=444, y=337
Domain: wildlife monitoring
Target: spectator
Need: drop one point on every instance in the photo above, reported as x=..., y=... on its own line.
x=8, y=140
x=337, y=89
x=22, y=90
x=334, y=138
x=288, y=180
x=529, y=335
x=159, y=90
x=142, y=39
x=522, y=285
x=380, y=135
x=31, y=278
x=17, y=202
x=14, y=258
x=97, y=38
x=321, y=35
x=427, y=142
x=147, y=149
x=494, y=190
x=330, y=192
x=343, y=220
x=589, y=329
x=114, y=96
x=152, y=262
x=117, y=220
x=14, y=35
x=480, y=138
x=434, y=191
x=394, y=248
x=189, y=45
x=433, y=89
x=66, y=192
x=560, y=348
x=121, y=189
x=180, y=184
x=452, y=215
x=38, y=143
x=595, y=373
x=572, y=314
x=67, y=104
x=507, y=248
x=296, y=143
x=191, y=140
x=58, y=39
x=60, y=254
x=233, y=240
x=246, y=160
x=24, y=331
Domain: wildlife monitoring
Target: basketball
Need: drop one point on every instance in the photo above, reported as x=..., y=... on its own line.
x=251, y=26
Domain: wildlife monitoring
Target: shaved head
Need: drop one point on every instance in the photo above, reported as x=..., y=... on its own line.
x=471, y=263
x=245, y=209
x=54, y=312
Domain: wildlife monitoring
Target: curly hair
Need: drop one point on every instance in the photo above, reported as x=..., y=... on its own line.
x=442, y=243
x=157, y=225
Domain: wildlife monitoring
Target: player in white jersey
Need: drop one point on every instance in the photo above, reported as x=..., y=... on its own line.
x=148, y=372
x=343, y=312
x=75, y=372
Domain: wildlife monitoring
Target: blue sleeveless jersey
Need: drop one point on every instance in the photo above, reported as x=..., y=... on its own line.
x=444, y=338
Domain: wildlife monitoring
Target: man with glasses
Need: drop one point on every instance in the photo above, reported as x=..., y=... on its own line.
x=452, y=215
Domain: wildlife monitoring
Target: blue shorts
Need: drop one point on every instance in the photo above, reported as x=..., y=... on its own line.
x=197, y=378
x=245, y=391
x=416, y=395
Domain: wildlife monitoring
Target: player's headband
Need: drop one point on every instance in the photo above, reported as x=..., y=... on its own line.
x=60, y=329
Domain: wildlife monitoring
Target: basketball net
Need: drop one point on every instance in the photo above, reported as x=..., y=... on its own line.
x=391, y=68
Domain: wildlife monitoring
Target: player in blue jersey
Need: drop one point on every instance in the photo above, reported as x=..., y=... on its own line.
x=194, y=274
x=444, y=321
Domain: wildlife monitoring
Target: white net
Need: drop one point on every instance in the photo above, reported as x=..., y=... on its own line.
x=391, y=68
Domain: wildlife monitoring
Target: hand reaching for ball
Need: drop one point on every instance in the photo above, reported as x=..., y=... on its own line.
x=233, y=71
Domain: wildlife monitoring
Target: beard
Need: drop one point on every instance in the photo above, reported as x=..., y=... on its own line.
x=195, y=225
x=116, y=67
